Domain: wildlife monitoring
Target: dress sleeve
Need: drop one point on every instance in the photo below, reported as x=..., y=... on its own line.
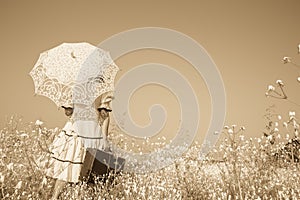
x=105, y=100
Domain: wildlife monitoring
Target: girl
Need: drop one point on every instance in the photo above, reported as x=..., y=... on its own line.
x=86, y=128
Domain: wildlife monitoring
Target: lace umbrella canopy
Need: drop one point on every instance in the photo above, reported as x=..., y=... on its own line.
x=74, y=73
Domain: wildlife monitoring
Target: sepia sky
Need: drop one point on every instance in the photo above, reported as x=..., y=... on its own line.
x=246, y=39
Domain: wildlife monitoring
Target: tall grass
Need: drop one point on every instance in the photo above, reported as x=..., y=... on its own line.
x=238, y=168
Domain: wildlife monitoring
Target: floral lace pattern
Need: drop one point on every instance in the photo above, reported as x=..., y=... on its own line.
x=74, y=73
x=85, y=113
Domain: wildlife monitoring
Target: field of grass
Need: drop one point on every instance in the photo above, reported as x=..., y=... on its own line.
x=239, y=168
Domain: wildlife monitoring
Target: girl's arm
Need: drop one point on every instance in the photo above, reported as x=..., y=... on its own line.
x=105, y=125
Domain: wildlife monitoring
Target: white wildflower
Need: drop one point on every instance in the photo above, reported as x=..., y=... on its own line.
x=259, y=140
x=19, y=185
x=24, y=135
x=2, y=177
x=242, y=138
x=278, y=136
x=10, y=166
x=44, y=181
x=287, y=136
x=267, y=94
x=285, y=124
x=38, y=122
x=298, y=79
x=298, y=48
x=286, y=60
x=276, y=124
x=270, y=137
x=276, y=130
x=243, y=128
x=230, y=131
x=279, y=117
x=271, y=88
x=292, y=114
x=279, y=82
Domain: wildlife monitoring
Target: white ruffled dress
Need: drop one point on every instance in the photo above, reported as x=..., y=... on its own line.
x=69, y=147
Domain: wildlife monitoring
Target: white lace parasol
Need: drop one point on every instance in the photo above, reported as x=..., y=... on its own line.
x=74, y=73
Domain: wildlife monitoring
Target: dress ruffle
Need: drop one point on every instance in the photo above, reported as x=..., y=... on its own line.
x=90, y=133
x=67, y=154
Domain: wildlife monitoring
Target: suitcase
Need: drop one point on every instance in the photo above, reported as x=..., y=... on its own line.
x=100, y=163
